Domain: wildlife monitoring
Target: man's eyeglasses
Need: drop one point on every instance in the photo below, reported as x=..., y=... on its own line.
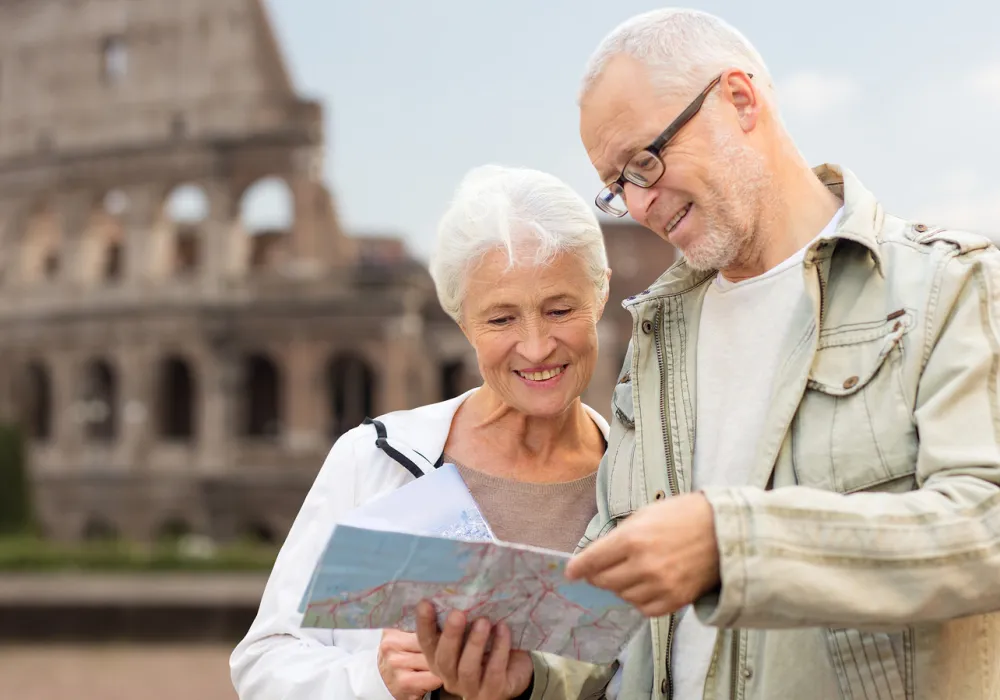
x=645, y=168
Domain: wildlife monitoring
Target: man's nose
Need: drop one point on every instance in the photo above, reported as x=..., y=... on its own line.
x=639, y=200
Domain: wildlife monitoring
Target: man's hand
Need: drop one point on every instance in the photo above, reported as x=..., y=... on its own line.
x=403, y=667
x=660, y=559
x=504, y=675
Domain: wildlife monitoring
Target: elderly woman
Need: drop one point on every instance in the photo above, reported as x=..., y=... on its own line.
x=520, y=265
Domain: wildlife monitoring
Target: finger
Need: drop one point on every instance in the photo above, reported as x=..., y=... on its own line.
x=620, y=577
x=405, y=661
x=650, y=600
x=403, y=641
x=419, y=682
x=470, y=667
x=597, y=557
x=449, y=646
x=495, y=673
x=428, y=635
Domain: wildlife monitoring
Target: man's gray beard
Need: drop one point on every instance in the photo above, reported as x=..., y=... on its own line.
x=729, y=235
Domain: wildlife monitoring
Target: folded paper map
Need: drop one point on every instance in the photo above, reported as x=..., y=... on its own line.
x=373, y=579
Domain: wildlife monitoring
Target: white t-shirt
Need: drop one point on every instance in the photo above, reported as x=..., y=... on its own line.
x=742, y=328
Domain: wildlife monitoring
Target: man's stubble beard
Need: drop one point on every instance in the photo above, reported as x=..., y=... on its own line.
x=731, y=211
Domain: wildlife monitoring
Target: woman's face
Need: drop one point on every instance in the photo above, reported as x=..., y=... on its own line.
x=534, y=328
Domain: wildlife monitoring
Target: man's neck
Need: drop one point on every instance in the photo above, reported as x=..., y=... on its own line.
x=795, y=211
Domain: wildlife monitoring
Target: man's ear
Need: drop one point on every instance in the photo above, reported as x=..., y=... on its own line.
x=738, y=88
x=604, y=297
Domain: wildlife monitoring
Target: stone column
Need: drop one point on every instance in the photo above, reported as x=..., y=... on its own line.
x=138, y=219
x=220, y=379
x=301, y=371
x=139, y=372
x=221, y=245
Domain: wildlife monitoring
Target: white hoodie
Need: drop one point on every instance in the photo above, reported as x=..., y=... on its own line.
x=278, y=659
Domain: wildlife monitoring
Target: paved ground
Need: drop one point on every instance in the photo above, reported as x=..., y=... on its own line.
x=117, y=672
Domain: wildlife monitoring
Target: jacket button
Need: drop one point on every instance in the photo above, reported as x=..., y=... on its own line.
x=920, y=228
x=747, y=673
x=660, y=495
x=850, y=382
x=647, y=326
x=663, y=686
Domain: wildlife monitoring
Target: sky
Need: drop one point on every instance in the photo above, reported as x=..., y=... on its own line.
x=418, y=93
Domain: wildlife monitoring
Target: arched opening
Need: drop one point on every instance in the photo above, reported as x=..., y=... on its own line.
x=258, y=532
x=173, y=529
x=177, y=402
x=102, y=252
x=262, y=398
x=351, y=387
x=186, y=209
x=453, y=379
x=100, y=402
x=40, y=245
x=99, y=529
x=38, y=402
x=267, y=215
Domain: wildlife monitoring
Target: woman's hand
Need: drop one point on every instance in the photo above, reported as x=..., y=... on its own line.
x=505, y=674
x=403, y=666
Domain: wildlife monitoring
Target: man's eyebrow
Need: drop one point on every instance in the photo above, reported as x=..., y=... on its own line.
x=621, y=155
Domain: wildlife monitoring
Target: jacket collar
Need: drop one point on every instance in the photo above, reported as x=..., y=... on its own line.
x=424, y=430
x=861, y=224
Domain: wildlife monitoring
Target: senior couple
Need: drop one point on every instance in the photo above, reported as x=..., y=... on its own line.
x=801, y=484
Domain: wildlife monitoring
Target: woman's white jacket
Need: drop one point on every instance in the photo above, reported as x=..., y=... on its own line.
x=279, y=660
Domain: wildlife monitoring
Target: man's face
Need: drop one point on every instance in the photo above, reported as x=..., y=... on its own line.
x=708, y=199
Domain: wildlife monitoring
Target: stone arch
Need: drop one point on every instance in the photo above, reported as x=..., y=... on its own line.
x=41, y=244
x=100, y=401
x=177, y=404
x=351, y=390
x=259, y=532
x=185, y=210
x=173, y=528
x=38, y=401
x=102, y=249
x=262, y=397
x=267, y=217
x=98, y=528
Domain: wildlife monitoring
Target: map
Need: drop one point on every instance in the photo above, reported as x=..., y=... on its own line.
x=373, y=579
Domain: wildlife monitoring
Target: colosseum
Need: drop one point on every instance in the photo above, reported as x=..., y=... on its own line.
x=185, y=326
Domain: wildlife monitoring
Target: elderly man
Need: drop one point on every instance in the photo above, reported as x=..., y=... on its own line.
x=810, y=401
x=801, y=485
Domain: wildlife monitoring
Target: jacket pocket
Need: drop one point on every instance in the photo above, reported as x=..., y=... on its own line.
x=625, y=482
x=854, y=429
x=869, y=665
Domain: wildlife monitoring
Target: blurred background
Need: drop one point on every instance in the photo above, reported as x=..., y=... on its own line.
x=214, y=222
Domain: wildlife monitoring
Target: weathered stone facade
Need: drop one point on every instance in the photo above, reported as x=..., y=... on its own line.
x=179, y=365
x=175, y=368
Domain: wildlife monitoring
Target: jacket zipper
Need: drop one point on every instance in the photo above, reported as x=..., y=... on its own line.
x=735, y=664
x=658, y=328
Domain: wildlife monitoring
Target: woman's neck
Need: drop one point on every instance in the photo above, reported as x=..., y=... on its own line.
x=490, y=436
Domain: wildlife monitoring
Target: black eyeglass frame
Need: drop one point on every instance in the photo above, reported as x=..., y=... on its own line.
x=655, y=148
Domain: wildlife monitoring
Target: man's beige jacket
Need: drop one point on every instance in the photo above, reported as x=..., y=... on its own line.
x=872, y=520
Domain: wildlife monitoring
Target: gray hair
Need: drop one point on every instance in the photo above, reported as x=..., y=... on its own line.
x=502, y=208
x=683, y=49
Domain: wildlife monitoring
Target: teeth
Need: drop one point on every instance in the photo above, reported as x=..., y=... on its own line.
x=541, y=376
x=677, y=218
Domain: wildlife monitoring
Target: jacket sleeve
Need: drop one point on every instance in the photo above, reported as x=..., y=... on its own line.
x=797, y=556
x=279, y=660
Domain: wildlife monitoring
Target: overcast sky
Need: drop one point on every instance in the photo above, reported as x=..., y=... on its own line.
x=416, y=93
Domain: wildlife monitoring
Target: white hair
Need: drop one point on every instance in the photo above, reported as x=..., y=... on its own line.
x=520, y=211
x=683, y=50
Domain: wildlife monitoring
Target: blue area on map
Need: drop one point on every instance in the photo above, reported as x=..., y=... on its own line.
x=357, y=559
